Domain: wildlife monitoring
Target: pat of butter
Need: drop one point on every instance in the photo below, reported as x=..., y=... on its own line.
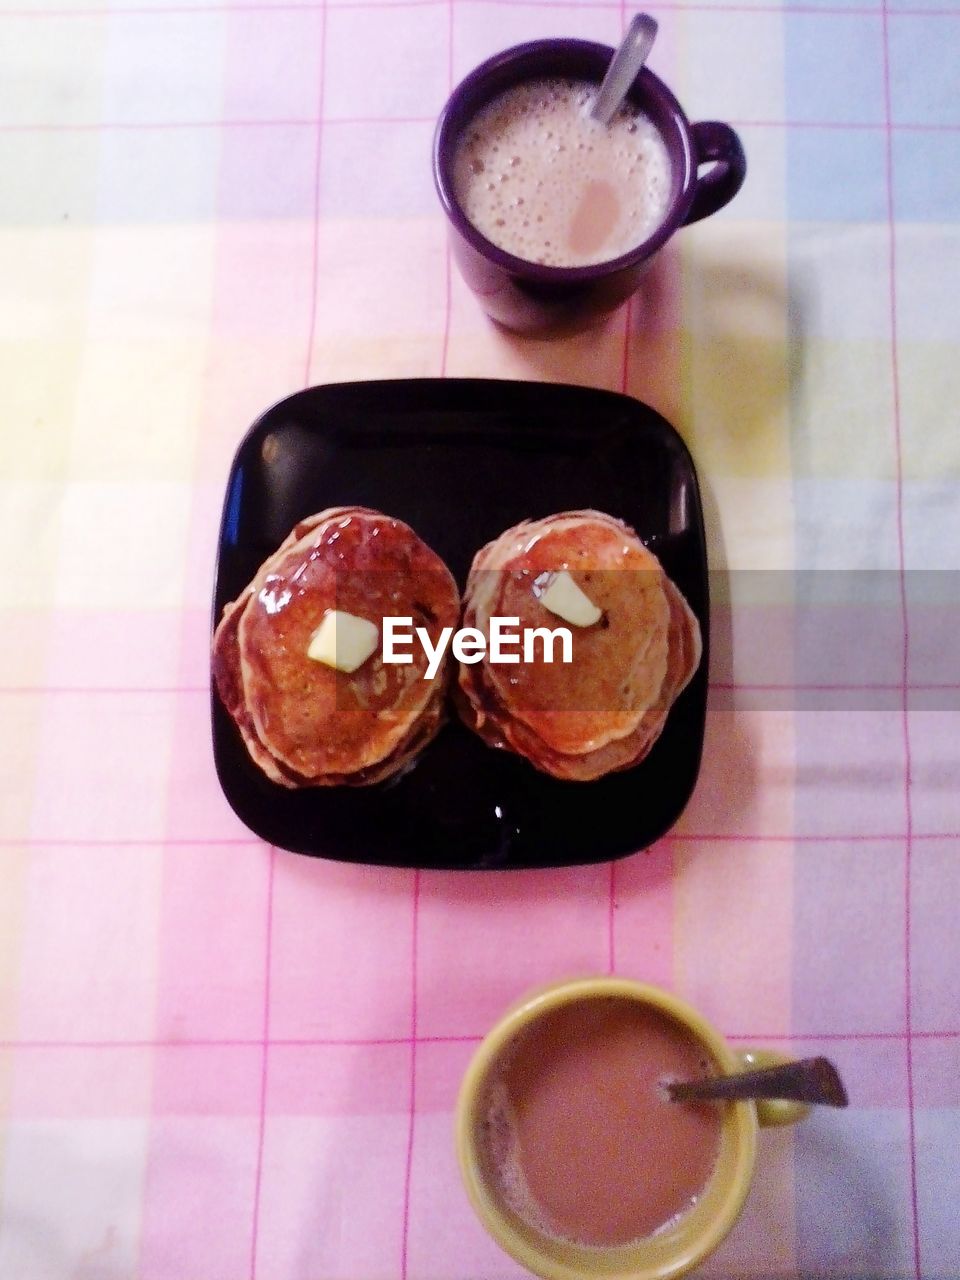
x=343, y=641
x=564, y=598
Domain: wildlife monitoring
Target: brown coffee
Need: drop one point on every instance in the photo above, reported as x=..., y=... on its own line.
x=579, y=1136
x=542, y=180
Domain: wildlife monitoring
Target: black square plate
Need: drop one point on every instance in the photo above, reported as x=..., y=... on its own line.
x=460, y=460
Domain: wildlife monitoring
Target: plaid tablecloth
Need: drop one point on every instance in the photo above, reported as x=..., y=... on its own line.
x=220, y=1061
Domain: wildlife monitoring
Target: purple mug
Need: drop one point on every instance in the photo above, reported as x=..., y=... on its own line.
x=528, y=297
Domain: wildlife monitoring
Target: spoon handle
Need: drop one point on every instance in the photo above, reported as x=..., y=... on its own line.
x=813, y=1080
x=624, y=67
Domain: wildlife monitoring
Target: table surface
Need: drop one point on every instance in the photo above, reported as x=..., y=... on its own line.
x=221, y=1061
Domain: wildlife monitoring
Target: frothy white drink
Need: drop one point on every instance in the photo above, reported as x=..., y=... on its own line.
x=543, y=181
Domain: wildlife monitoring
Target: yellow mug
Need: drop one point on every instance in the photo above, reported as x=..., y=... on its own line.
x=673, y=1251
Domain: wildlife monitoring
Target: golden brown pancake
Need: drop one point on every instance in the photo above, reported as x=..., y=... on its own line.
x=604, y=711
x=620, y=663
x=307, y=724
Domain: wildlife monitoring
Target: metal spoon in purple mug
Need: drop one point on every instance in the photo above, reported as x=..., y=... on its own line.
x=624, y=67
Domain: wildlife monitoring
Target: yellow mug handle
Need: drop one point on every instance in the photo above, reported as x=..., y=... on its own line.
x=771, y=1111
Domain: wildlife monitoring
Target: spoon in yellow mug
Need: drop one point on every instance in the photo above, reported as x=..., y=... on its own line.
x=811, y=1080
x=624, y=67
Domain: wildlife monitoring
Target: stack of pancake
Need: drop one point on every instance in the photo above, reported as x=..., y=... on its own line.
x=306, y=723
x=603, y=711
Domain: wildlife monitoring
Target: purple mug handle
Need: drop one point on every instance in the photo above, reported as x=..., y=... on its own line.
x=717, y=143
